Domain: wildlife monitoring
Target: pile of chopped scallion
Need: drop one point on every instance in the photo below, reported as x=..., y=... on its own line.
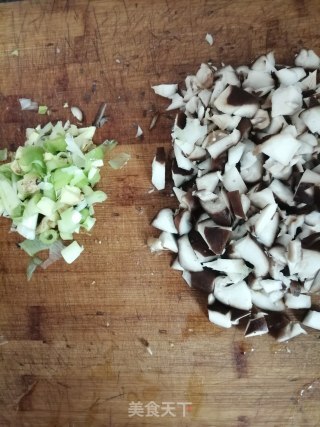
x=47, y=189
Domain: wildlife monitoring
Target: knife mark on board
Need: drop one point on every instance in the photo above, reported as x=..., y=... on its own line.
x=240, y=359
x=34, y=315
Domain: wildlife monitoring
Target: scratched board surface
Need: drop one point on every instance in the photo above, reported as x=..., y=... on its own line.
x=73, y=340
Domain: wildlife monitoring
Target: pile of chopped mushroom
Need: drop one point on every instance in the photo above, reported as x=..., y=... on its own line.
x=246, y=173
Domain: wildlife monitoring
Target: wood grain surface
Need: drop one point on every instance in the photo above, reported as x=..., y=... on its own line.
x=73, y=339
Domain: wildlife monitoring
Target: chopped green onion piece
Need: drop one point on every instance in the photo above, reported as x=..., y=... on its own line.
x=96, y=154
x=33, y=264
x=109, y=145
x=42, y=109
x=84, y=215
x=88, y=223
x=55, y=145
x=94, y=176
x=47, y=207
x=48, y=237
x=47, y=223
x=8, y=196
x=83, y=204
x=70, y=195
x=119, y=160
x=3, y=155
x=79, y=179
x=15, y=52
x=6, y=170
x=30, y=158
x=96, y=197
x=56, y=162
x=73, y=147
x=48, y=190
x=71, y=252
x=28, y=185
x=32, y=247
x=66, y=236
x=54, y=254
x=85, y=135
x=1, y=208
x=69, y=222
x=27, y=227
x=60, y=178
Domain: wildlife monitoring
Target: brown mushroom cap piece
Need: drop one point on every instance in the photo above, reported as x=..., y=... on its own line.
x=200, y=247
x=237, y=204
x=201, y=280
x=238, y=315
x=219, y=313
x=182, y=221
x=218, y=210
x=256, y=327
x=234, y=100
x=179, y=175
x=214, y=235
x=159, y=169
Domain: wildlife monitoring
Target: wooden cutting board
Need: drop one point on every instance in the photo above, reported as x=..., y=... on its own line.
x=73, y=339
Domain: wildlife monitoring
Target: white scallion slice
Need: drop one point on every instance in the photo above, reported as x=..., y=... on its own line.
x=71, y=252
